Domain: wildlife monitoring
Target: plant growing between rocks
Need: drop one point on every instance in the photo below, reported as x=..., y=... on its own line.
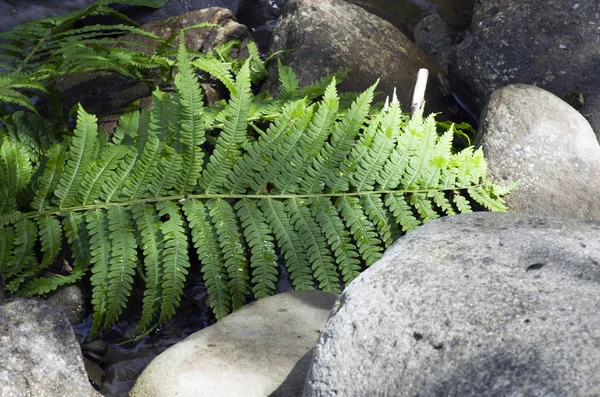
x=301, y=177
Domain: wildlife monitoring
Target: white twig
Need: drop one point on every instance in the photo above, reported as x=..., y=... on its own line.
x=419, y=93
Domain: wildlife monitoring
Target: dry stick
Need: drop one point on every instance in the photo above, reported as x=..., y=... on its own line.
x=419, y=93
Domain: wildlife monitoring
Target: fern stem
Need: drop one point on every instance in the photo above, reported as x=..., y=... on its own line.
x=183, y=198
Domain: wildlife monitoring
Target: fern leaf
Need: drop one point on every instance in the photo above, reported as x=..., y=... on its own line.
x=233, y=135
x=122, y=266
x=462, y=204
x=164, y=177
x=205, y=240
x=7, y=236
x=283, y=154
x=254, y=165
x=368, y=157
x=99, y=172
x=78, y=158
x=137, y=183
x=289, y=82
x=100, y=249
x=378, y=215
x=191, y=132
x=416, y=172
x=232, y=246
x=324, y=169
x=15, y=169
x=422, y=204
x=258, y=237
x=407, y=145
x=311, y=141
x=313, y=241
x=345, y=252
x=367, y=241
x=258, y=71
x=114, y=183
x=127, y=128
x=148, y=226
x=219, y=70
x=402, y=211
x=483, y=197
x=23, y=257
x=289, y=243
x=50, y=237
x=175, y=258
x=49, y=179
x=318, y=87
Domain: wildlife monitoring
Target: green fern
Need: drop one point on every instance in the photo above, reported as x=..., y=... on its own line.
x=324, y=190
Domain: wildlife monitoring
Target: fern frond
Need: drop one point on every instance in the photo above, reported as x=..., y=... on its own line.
x=77, y=160
x=150, y=237
x=368, y=243
x=7, y=236
x=23, y=257
x=51, y=238
x=263, y=258
x=345, y=252
x=378, y=215
x=205, y=240
x=231, y=242
x=98, y=172
x=289, y=82
x=191, y=132
x=219, y=70
x=164, y=177
x=114, y=183
x=313, y=241
x=374, y=148
x=100, y=250
x=282, y=154
x=122, y=265
x=175, y=258
x=232, y=136
x=311, y=141
x=325, y=167
x=252, y=170
x=288, y=242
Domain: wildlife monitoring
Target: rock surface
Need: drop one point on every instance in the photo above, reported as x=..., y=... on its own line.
x=529, y=134
x=39, y=355
x=541, y=42
x=71, y=301
x=433, y=36
x=484, y=304
x=484, y=9
x=262, y=349
x=371, y=47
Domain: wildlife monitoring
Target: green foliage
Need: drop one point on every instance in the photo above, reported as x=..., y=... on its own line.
x=242, y=187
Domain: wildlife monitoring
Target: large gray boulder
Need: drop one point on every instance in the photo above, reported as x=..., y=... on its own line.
x=262, y=349
x=484, y=304
x=530, y=135
x=326, y=36
x=484, y=9
x=39, y=355
x=547, y=43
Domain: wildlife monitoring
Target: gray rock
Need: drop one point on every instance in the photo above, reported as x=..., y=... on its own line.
x=70, y=299
x=39, y=355
x=371, y=47
x=262, y=349
x=547, y=43
x=484, y=304
x=484, y=9
x=433, y=35
x=531, y=135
